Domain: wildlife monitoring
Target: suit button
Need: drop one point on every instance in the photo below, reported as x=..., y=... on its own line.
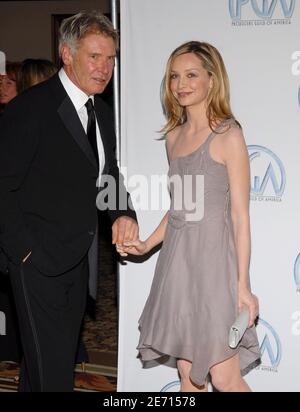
x=91, y=232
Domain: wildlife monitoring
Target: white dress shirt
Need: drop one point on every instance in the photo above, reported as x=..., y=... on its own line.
x=79, y=99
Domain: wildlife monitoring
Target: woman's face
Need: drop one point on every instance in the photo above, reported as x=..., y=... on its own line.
x=189, y=81
x=8, y=89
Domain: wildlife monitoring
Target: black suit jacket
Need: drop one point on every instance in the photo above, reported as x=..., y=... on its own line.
x=48, y=176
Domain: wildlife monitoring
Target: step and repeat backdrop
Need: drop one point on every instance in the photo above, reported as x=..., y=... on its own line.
x=260, y=43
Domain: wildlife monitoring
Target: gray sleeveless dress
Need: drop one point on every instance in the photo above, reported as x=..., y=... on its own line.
x=193, y=299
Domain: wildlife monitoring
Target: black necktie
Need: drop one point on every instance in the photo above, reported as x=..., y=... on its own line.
x=91, y=128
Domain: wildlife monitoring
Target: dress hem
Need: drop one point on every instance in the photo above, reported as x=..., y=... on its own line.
x=157, y=353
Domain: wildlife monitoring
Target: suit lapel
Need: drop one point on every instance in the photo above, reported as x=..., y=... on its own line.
x=72, y=122
x=70, y=119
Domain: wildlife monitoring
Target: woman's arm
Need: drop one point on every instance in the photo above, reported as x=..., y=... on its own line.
x=141, y=247
x=158, y=235
x=237, y=162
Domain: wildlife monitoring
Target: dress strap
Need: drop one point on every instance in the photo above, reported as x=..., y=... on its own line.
x=227, y=124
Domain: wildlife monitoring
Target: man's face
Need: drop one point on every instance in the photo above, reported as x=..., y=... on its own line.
x=92, y=64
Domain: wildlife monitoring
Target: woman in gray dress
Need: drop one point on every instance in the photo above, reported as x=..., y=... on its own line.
x=201, y=280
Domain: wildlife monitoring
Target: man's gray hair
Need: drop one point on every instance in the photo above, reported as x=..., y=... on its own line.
x=76, y=27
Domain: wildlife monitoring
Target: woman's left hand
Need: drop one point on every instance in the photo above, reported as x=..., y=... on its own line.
x=248, y=299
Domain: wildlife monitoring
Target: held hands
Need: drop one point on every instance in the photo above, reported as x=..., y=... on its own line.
x=137, y=248
x=246, y=298
x=124, y=230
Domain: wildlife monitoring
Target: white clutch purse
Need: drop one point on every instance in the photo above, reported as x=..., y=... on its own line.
x=238, y=328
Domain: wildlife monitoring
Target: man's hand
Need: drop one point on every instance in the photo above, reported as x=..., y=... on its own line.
x=124, y=229
x=26, y=257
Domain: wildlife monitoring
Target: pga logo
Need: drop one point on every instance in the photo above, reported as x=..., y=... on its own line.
x=297, y=272
x=270, y=346
x=173, y=386
x=268, y=177
x=263, y=9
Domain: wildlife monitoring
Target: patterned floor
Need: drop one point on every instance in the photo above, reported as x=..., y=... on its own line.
x=100, y=333
x=93, y=378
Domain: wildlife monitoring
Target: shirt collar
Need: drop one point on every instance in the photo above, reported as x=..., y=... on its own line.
x=77, y=96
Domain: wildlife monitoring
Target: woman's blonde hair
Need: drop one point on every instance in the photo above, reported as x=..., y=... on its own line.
x=218, y=99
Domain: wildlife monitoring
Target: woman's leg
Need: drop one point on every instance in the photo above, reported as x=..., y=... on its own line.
x=226, y=376
x=186, y=385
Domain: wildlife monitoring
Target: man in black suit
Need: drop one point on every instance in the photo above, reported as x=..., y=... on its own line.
x=57, y=141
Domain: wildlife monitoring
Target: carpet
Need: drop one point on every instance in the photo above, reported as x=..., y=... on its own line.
x=88, y=378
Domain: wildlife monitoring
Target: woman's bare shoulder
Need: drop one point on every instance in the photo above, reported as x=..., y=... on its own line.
x=172, y=136
x=232, y=136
